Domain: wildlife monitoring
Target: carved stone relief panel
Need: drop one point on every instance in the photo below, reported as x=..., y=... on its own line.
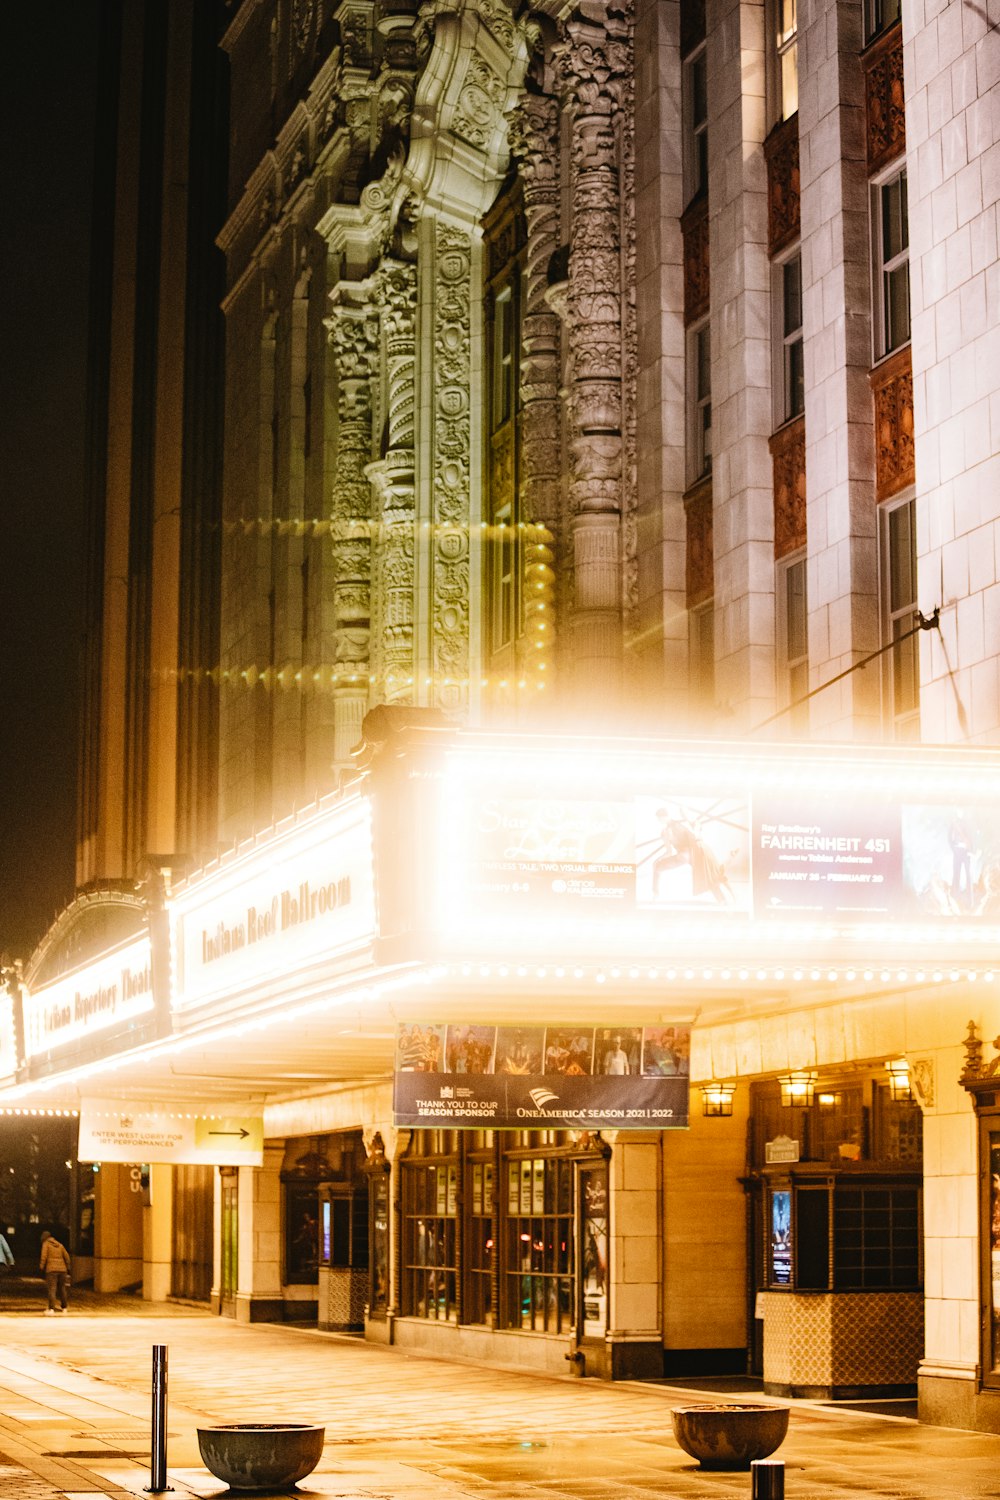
x=892, y=388
x=781, y=152
x=788, y=458
x=694, y=231
x=884, y=99
x=700, y=562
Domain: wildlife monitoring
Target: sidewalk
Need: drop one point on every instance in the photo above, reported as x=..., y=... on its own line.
x=75, y=1405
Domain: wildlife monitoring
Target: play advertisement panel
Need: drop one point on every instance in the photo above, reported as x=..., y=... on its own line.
x=523, y=1077
x=652, y=852
x=670, y=850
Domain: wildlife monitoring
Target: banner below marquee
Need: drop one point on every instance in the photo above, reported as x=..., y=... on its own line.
x=112, y=1131
x=542, y=1077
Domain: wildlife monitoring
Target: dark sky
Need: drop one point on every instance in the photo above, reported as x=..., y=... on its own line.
x=47, y=103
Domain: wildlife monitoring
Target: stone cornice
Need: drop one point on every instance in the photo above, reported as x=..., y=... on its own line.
x=238, y=24
x=266, y=175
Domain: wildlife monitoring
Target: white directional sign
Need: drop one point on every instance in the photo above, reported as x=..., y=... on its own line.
x=111, y=1130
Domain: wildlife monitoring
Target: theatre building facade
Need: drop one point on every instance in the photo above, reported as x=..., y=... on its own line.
x=602, y=1057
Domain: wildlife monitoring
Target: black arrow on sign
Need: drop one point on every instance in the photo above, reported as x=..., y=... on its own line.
x=241, y=1133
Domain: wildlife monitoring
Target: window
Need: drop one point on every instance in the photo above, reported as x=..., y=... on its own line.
x=503, y=358
x=793, y=642
x=539, y=1281
x=879, y=16
x=430, y=1208
x=891, y=269
x=789, y=371
x=786, y=42
x=503, y=556
x=876, y=1236
x=901, y=682
x=479, y=1254
x=700, y=401
x=695, y=91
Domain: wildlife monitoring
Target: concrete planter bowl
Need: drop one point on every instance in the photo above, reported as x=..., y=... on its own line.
x=729, y=1435
x=253, y=1456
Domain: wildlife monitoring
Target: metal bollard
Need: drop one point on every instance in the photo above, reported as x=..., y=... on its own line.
x=158, y=1443
x=767, y=1479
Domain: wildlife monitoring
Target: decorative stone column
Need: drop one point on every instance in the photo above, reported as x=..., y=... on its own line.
x=354, y=330
x=394, y=290
x=258, y=1295
x=839, y=446
x=593, y=62
x=533, y=130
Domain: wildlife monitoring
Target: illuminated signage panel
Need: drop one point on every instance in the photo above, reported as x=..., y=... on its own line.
x=113, y=1131
x=296, y=897
x=633, y=856
x=116, y=989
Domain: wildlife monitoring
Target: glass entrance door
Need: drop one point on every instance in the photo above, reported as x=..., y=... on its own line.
x=229, y=1279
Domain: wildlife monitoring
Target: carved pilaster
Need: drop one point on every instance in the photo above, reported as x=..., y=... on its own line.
x=885, y=106
x=895, y=459
x=451, y=464
x=594, y=62
x=788, y=457
x=534, y=140
x=394, y=288
x=354, y=331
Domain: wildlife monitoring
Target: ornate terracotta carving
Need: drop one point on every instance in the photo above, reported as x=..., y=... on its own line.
x=451, y=465
x=354, y=331
x=593, y=63
x=788, y=457
x=700, y=554
x=394, y=290
x=534, y=141
x=892, y=389
x=694, y=230
x=884, y=100
x=781, y=152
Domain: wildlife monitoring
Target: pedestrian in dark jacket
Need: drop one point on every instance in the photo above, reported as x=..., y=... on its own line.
x=55, y=1269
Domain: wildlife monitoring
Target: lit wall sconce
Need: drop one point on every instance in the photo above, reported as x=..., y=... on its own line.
x=798, y=1089
x=899, y=1080
x=828, y=1101
x=717, y=1099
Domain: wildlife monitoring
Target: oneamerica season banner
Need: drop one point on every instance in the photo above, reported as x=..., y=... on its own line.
x=531, y=1077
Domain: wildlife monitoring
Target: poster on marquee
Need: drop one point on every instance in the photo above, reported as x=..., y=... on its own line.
x=832, y=855
x=540, y=1077
x=951, y=861
x=659, y=851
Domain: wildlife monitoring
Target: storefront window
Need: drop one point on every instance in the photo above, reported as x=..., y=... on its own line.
x=430, y=1204
x=480, y=1250
x=539, y=1244
x=993, y=1149
x=525, y=1217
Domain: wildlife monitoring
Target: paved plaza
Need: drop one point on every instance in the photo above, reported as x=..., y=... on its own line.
x=75, y=1414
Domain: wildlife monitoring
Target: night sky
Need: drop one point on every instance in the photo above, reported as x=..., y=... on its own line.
x=47, y=105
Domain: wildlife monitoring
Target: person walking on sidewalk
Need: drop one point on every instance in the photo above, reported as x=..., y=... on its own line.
x=55, y=1269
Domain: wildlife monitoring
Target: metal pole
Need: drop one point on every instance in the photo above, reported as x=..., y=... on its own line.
x=158, y=1444
x=767, y=1479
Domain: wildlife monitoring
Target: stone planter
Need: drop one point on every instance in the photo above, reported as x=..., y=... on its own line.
x=729, y=1435
x=261, y=1455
